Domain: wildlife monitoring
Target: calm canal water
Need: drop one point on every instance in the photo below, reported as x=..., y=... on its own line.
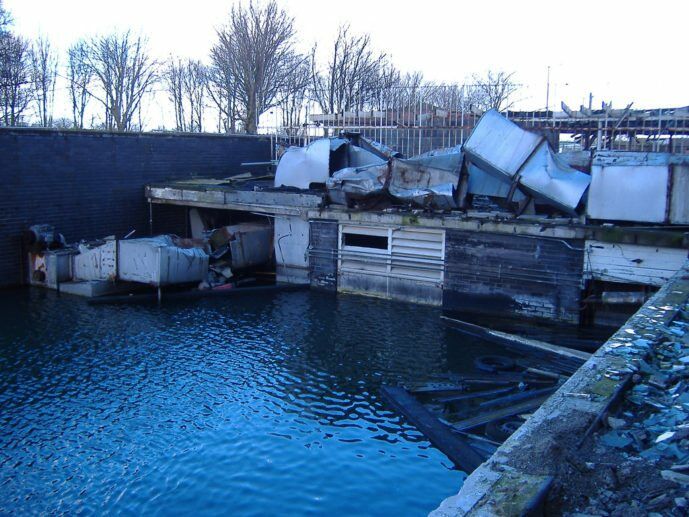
x=267, y=405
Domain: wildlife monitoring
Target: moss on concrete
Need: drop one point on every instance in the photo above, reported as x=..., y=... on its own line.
x=504, y=500
x=604, y=387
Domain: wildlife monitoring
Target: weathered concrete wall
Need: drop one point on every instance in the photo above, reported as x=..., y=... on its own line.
x=513, y=275
x=90, y=184
x=323, y=254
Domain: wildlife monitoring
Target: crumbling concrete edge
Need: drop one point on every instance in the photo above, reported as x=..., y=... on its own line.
x=505, y=486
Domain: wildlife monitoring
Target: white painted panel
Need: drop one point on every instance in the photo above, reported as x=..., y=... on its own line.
x=413, y=254
x=418, y=254
x=291, y=241
x=626, y=193
x=630, y=263
x=156, y=261
x=365, y=230
x=95, y=264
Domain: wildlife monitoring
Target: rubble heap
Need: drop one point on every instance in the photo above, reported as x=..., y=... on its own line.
x=639, y=463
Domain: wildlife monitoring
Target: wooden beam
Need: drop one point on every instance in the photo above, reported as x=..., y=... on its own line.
x=518, y=342
x=499, y=414
x=449, y=443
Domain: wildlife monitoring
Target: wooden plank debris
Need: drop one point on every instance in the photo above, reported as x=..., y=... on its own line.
x=499, y=414
x=452, y=445
x=518, y=342
x=475, y=394
x=522, y=395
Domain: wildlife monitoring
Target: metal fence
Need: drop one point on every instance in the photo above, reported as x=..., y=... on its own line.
x=414, y=121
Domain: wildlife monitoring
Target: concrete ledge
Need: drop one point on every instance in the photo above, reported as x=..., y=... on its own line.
x=532, y=454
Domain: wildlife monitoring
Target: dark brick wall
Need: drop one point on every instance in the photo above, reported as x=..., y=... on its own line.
x=511, y=275
x=323, y=254
x=91, y=184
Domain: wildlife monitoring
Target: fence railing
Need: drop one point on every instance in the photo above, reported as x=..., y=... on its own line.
x=414, y=122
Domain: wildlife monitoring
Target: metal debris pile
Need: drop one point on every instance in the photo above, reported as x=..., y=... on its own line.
x=236, y=248
x=500, y=161
x=224, y=257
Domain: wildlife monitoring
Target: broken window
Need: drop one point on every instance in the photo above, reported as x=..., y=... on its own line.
x=379, y=242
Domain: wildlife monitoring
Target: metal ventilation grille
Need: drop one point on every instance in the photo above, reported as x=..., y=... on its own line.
x=411, y=253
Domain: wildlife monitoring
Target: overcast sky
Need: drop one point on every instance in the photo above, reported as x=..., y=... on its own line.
x=621, y=51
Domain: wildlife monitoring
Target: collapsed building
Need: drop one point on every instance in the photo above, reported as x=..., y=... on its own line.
x=502, y=224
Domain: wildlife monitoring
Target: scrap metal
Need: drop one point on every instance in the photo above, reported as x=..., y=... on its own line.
x=500, y=147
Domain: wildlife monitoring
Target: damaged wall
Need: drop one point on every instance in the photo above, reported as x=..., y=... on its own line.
x=513, y=275
x=90, y=184
x=323, y=254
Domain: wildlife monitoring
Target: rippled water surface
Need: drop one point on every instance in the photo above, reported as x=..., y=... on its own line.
x=268, y=405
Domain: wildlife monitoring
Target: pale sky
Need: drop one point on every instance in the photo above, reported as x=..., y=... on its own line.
x=622, y=51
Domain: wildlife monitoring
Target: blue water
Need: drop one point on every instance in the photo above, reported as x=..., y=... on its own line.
x=268, y=405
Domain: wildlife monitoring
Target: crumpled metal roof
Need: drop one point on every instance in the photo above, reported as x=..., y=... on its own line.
x=502, y=148
x=428, y=180
x=301, y=166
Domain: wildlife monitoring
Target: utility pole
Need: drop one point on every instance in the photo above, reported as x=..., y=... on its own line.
x=547, y=92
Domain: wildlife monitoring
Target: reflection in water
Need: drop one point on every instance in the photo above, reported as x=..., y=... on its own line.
x=264, y=405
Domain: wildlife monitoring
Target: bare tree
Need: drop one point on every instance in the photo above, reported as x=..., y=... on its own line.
x=495, y=90
x=15, y=78
x=173, y=76
x=5, y=19
x=222, y=89
x=186, y=83
x=195, y=87
x=80, y=75
x=124, y=73
x=15, y=73
x=255, y=51
x=350, y=76
x=388, y=82
x=43, y=75
x=293, y=99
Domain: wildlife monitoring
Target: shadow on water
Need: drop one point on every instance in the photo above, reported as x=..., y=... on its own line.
x=265, y=404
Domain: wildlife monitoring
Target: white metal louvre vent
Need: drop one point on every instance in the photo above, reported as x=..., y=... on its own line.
x=412, y=253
